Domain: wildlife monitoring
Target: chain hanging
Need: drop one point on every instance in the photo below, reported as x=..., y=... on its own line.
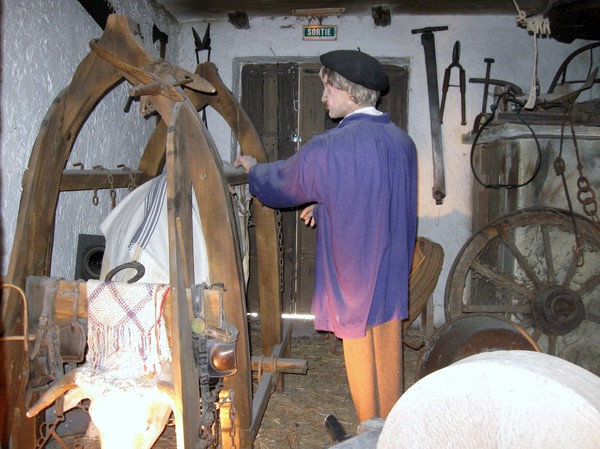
x=131, y=185
x=208, y=418
x=95, y=199
x=48, y=429
x=113, y=192
x=589, y=204
x=280, y=248
x=585, y=193
x=232, y=416
x=559, y=168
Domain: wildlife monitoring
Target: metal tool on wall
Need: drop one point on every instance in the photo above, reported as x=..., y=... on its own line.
x=99, y=10
x=202, y=44
x=437, y=143
x=461, y=84
x=481, y=117
x=158, y=35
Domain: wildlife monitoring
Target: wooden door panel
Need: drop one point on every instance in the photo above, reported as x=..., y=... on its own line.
x=395, y=100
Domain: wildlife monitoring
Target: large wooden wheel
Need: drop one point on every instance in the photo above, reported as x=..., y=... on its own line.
x=182, y=143
x=538, y=268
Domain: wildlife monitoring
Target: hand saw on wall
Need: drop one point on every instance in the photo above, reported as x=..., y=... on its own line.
x=99, y=10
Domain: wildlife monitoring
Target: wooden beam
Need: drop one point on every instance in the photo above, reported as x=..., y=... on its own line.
x=275, y=364
x=267, y=382
x=181, y=269
x=73, y=179
x=264, y=217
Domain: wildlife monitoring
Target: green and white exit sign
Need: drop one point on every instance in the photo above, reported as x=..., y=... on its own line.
x=319, y=32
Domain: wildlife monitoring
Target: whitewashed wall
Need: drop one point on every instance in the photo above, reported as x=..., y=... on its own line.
x=43, y=42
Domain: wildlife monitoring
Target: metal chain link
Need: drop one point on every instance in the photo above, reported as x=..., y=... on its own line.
x=48, y=429
x=232, y=414
x=585, y=193
x=209, y=414
x=559, y=168
x=110, y=178
x=280, y=247
x=95, y=199
x=131, y=184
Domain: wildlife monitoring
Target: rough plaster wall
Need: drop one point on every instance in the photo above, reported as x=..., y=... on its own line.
x=42, y=45
x=480, y=36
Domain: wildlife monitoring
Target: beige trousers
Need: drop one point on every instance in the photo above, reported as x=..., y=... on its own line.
x=374, y=368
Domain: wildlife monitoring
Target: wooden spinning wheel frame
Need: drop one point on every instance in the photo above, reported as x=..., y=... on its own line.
x=182, y=142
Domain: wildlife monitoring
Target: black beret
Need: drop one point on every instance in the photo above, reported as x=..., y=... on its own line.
x=358, y=67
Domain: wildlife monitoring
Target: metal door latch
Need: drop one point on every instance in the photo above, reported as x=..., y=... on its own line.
x=295, y=137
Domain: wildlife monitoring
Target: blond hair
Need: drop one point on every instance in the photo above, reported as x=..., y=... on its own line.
x=359, y=94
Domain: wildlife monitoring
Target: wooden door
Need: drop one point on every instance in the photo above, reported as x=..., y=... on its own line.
x=284, y=103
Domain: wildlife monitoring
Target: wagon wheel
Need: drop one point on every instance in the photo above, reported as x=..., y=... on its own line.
x=525, y=267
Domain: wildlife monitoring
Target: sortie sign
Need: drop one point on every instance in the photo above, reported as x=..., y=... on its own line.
x=319, y=32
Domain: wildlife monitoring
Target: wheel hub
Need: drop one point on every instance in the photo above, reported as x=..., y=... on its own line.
x=558, y=310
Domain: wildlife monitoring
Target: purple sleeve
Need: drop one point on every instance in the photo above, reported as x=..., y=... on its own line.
x=287, y=183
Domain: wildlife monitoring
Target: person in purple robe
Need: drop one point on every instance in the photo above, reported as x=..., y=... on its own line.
x=358, y=183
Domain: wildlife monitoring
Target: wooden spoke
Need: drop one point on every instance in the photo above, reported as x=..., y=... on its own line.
x=527, y=323
x=590, y=285
x=575, y=261
x=501, y=279
x=496, y=308
x=594, y=317
x=510, y=244
x=552, y=344
x=537, y=333
x=551, y=275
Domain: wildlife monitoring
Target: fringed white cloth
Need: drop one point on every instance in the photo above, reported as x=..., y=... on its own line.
x=126, y=328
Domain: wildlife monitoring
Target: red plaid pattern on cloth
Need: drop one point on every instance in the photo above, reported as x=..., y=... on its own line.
x=126, y=322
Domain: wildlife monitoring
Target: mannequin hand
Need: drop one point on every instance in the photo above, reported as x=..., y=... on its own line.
x=307, y=216
x=246, y=162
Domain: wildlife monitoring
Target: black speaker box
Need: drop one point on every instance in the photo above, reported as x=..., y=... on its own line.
x=90, y=250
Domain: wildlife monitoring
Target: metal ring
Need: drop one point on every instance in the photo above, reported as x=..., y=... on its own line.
x=135, y=265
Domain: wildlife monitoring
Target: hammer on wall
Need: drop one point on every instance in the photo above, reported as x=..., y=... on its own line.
x=437, y=143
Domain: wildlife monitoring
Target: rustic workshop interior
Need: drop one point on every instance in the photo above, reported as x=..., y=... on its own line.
x=119, y=125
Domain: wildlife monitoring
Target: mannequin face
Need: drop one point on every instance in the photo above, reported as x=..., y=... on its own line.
x=336, y=101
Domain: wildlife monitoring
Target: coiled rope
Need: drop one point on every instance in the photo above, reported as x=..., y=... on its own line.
x=536, y=25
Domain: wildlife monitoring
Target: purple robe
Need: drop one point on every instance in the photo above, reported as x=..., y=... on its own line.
x=363, y=175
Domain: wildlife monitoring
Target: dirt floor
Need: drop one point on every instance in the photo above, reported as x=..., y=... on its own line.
x=295, y=417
